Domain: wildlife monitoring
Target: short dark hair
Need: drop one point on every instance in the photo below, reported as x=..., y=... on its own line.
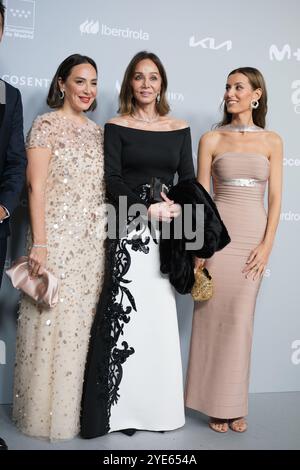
x=2, y=11
x=64, y=70
x=126, y=99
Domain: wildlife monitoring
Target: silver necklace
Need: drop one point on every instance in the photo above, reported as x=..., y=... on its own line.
x=147, y=121
x=241, y=128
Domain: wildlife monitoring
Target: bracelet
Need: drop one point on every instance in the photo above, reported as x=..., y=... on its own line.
x=36, y=245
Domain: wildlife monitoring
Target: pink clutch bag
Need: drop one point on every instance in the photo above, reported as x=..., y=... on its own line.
x=43, y=289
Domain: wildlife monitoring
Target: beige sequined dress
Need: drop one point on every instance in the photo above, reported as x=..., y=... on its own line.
x=52, y=344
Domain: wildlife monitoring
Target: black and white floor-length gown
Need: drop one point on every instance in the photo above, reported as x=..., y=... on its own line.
x=133, y=374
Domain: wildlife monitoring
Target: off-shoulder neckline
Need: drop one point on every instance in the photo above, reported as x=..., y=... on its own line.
x=146, y=130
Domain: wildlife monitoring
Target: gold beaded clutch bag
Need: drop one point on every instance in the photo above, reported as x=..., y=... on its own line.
x=203, y=286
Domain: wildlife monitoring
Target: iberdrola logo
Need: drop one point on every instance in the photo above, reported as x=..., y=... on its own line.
x=89, y=27
x=95, y=27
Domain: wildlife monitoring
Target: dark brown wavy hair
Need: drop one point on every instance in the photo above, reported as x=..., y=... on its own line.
x=126, y=98
x=256, y=80
x=2, y=13
x=64, y=70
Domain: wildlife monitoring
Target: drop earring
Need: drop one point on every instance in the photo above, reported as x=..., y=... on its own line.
x=254, y=104
x=62, y=94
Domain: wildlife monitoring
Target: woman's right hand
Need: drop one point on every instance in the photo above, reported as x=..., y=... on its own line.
x=165, y=210
x=37, y=261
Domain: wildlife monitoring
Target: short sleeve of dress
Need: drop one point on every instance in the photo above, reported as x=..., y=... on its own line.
x=40, y=134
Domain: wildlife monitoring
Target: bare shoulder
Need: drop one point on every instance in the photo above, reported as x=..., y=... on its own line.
x=274, y=139
x=119, y=121
x=177, y=124
x=210, y=138
x=275, y=146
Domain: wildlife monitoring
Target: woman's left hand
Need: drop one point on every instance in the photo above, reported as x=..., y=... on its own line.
x=198, y=263
x=257, y=262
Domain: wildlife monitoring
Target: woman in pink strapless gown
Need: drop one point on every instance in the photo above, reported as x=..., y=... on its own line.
x=241, y=156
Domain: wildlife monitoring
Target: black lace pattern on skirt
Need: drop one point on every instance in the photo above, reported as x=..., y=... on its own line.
x=107, y=354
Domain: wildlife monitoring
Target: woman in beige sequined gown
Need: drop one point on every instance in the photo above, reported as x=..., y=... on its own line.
x=65, y=163
x=241, y=156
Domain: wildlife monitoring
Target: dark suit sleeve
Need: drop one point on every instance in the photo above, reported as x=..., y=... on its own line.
x=13, y=175
x=186, y=167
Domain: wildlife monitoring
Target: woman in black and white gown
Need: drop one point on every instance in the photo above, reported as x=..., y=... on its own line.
x=133, y=375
